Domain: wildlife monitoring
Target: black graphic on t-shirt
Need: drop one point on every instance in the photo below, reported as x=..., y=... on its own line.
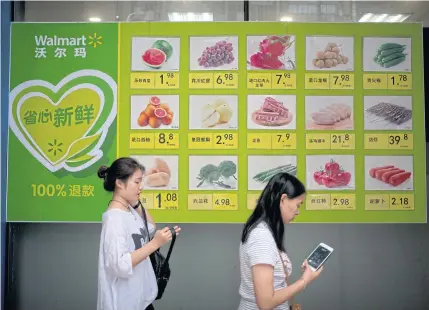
x=140, y=239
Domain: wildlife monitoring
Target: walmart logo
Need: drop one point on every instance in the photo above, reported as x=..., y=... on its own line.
x=95, y=40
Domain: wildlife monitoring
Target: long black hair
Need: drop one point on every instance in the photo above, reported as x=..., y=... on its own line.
x=268, y=206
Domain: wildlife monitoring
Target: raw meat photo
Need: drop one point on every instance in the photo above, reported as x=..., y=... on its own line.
x=330, y=172
x=387, y=54
x=162, y=172
x=213, y=112
x=388, y=172
x=213, y=53
x=155, y=54
x=213, y=173
x=271, y=112
x=388, y=113
x=155, y=112
x=261, y=168
x=329, y=112
x=330, y=53
x=271, y=52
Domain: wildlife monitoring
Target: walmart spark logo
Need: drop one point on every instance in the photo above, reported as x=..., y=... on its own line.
x=95, y=40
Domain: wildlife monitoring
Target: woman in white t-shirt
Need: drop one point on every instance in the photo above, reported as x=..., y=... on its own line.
x=263, y=272
x=126, y=280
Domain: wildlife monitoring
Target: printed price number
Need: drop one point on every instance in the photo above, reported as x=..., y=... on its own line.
x=402, y=201
x=225, y=202
x=400, y=141
x=400, y=81
x=342, y=141
x=166, y=140
x=284, y=141
x=226, y=80
x=168, y=201
x=343, y=202
x=167, y=80
x=285, y=80
x=342, y=81
x=227, y=140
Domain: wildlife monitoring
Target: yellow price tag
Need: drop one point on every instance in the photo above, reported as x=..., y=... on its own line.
x=318, y=141
x=142, y=140
x=260, y=141
x=225, y=80
x=167, y=80
x=375, y=81
x=258, y=80
x=343, y=141
x=200, y=80
x=401, y=202
x=281, y=141
x=343, y=202
x=166, y=201
x=225, y=202
x=342, y=81
x=376, y=141
x=283, y=81
x=147, y=199
x=225, y=141
x=166, y=140
x=252, y=200
x=318, y=202
x=377, y=202
x=316, y=81
x=200, y=202
x=142, y=80
x=400, y=81
x=200, y=141
x=401, y=141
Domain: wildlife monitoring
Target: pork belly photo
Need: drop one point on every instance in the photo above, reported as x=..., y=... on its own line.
x=329, y=112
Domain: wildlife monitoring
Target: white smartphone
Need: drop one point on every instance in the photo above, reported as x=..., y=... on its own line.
x=319, y=256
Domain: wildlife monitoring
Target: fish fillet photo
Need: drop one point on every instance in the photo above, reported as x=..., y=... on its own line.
x=261, y=168
x=389, y=173
x=388, y=113
x=329, y=113
x=329, y=53
x=213, y=112
x=271, y=112
x=155, y=54
x=162, y=172
x=387, y=54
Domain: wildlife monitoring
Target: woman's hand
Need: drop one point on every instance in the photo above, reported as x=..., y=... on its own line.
x=164, y=235
x=309, y=275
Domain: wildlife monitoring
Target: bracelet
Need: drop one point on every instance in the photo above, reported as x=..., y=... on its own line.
x=305, y=284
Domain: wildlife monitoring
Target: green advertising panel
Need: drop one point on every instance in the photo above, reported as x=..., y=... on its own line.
x=213, y=111
x=62, y=118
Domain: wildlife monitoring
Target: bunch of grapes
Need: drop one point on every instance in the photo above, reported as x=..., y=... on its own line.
x=217, y=55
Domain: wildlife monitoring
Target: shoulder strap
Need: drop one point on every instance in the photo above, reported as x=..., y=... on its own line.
x=286, y=275
x=173, y=232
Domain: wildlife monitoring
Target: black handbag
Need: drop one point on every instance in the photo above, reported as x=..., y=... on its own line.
x=159, y=262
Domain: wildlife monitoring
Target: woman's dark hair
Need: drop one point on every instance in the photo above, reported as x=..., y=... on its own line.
x=268, y=206
x=121, y=169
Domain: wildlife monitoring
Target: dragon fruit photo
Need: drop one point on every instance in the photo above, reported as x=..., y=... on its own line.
x=273, y=52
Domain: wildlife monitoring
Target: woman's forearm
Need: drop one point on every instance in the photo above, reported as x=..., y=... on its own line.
x=280, y=296
x=141, y=254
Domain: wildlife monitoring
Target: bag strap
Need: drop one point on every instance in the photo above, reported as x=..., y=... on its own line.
x=286, y=275
x=173, y=232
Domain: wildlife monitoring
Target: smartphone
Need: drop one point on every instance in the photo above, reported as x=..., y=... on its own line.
x=319, y=256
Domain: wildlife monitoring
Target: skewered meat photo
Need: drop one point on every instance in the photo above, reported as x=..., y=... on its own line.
x=388, y=113
x=389, y=173
x=329, y=112
x=271, y=112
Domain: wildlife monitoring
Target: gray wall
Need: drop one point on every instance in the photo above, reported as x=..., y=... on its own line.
x=374, y=267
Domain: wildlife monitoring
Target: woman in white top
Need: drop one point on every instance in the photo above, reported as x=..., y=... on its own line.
x=263, y=276
x=126, y=280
